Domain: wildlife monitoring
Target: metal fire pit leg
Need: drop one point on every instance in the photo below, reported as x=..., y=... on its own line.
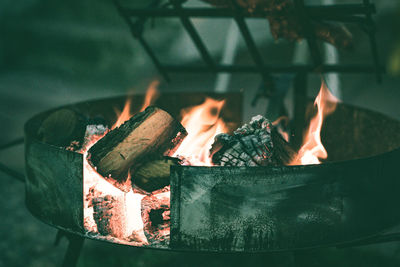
x=74, y=248
x=73, y=251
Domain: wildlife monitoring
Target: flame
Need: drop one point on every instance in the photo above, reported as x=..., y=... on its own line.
x=312, y=150
x=124, y=115
x=281, y=124
x=127, y=227
x=202, y=123
x=151, y=96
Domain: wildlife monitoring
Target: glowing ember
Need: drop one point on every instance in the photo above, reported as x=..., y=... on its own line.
x=126, y=224
x=124, y=217
x=202, y=124
x=312, y=150
x=131, y=224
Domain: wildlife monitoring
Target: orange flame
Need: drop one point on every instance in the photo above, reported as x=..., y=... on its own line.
x=151, y=96
x=281, y=123
x=312, y=150
x=124, y=115
x=130, y=222
x=202, y=124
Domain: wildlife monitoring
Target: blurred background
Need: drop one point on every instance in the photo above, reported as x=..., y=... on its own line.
x=54, y=53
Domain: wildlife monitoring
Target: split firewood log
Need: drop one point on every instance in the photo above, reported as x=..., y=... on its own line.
x=257, y=143
x=146, y=136
x=62, y=127
x=154, y=174
x=285, y=21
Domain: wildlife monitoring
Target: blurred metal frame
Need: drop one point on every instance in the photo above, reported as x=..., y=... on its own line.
x=360, y=14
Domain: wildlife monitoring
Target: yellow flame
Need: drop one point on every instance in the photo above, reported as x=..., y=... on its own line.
x=151, y=96
x=312, y=150
x=202, y=124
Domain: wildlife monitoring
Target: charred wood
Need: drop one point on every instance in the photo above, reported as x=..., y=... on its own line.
x=253, y=144
x=146, y=136
x=156, y=217
x=154, y=174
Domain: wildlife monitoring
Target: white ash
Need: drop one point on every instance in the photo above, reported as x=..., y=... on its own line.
x=95, y=129
x=93, y=133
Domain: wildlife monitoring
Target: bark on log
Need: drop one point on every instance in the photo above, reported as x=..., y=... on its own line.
x=253, y=144
x=147, y=135
x=154, y=174
x=62, y=127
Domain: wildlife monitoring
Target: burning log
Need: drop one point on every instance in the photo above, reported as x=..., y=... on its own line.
x=285, y=21
x=109, y=213
x=254, y=144
x=153, y=175
x=147, y=135
x=156, y=217
x=62, y=127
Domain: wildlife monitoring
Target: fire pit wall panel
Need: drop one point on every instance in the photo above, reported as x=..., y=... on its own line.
x=267, y=209
x=54, y=183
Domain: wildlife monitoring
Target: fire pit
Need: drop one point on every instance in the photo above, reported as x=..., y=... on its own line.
x=351, y=196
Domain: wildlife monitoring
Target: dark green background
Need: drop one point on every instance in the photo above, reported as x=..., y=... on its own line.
x=59, y=52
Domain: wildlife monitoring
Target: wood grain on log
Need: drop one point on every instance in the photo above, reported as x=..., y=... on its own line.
x=147, y=135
